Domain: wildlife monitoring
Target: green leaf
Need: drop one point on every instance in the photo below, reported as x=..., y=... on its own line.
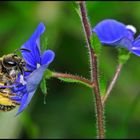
x=102, y=85
x=43, y=86
x=123, y=55
x=69, y=80
x=96, y=44
x=76, y=8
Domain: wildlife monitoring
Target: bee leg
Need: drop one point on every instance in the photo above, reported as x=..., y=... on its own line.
x=6, y=92
x=8, y=86
x=21, y=70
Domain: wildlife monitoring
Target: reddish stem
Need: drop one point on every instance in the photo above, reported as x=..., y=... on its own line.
x=94, y=70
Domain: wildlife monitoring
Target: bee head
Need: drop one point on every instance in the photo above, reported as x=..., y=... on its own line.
x=11, y=60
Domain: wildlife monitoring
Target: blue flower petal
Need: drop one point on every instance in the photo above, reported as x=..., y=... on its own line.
x=136, y=52
x=23, y=103
x=125, y=43
x=47, y=57
x=30, y=67
x=16, y=98
x=36, y=35
x=34, y=78
x=136, y=43
x=137, y=38
x=130, y=35
x=111, y=31
x=21, y=88
x=26, y=74
x=29, y=58
x=33, y=44
x=33, y=81
x=136, y=46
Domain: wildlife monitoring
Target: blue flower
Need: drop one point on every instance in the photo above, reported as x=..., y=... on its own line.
x=34, y=59
x=114, y=33
x=36, y=62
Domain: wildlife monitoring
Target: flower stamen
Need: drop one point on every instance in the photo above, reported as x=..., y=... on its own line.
x=38, y=65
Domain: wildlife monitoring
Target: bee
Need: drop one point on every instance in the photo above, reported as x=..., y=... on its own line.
x=10, y=66
x=6, y=104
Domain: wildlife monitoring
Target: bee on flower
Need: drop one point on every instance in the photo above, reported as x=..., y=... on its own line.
x=26, y=83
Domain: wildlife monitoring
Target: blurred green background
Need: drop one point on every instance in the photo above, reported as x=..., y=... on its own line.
x=69, y=111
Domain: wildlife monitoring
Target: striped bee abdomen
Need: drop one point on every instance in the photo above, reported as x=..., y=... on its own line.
x=6, y=104
x=6, y=107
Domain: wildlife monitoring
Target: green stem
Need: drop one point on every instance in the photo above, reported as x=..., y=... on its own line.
x=94, y=71
x=112, y=83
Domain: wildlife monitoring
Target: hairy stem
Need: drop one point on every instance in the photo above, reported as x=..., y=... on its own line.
x=112, y=83
x=75, y=77
x=94, y=70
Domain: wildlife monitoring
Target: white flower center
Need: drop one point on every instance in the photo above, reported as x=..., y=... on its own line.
x=132, y=28
x=22, y=80
x=38, y=65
